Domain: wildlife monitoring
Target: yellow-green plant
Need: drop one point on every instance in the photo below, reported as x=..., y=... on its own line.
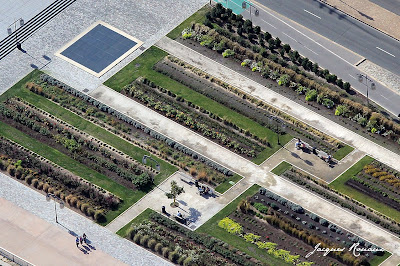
x=230, y=226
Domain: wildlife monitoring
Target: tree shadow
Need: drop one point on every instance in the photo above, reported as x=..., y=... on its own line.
x=365, y=15
x=194, y=215
x=34, y=66
x=308, y=162
x=182, y=202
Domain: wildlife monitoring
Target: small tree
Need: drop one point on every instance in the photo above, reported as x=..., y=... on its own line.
x=175, y=191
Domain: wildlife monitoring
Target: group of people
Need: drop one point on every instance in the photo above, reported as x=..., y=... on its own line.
x=301, y=145
x=80, y=239
x=204, y=189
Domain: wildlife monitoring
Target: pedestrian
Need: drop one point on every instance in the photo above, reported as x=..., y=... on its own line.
x=84, y=237
x=77, y=241
x=81, y=240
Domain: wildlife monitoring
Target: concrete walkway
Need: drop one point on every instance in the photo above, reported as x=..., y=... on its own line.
x=253, y=174
x=30, y=237
x=30, y=232
x=281, y=102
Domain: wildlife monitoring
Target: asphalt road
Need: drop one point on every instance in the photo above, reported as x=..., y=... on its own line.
x=375, y=46
x=317, y=48
x=391, y=5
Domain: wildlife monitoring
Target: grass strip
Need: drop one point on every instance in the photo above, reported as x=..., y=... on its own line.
x=137, y=220
x=221, y=188
x=281, y=168
x=143, y=66
x=198, y=17
x=377, y=260
x=342, y=152
x=339, y=184
x=129, y=196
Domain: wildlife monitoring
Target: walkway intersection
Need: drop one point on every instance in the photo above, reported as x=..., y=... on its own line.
x=253, y=174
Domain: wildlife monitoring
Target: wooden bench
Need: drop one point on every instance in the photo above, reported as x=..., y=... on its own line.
x=182, y=219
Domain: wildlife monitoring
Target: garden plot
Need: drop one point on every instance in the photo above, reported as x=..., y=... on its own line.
x=276, y=224
x=266, y=59
x=379, y=215
x=197, y=165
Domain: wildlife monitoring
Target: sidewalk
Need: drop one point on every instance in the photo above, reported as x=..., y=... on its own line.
x=31, y=232
x=369, y=13
x=252, y=173
x=30, y=237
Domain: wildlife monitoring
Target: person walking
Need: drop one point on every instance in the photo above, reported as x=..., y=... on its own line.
x=81, y=240
x=77, y=241
x=84, y=237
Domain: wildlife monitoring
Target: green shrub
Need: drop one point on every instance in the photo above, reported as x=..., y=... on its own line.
x=99, y=216
x=158, y=248
x=144, y=240
x=137, y=238
x=84, y=208
x=152, y=244
x=230, y=226
x=28, y=179
x=311, y=95
x=173, y=256
x=130, y=233
x=142, y=181
x=35, y=182
x=261, y=207
x=165, y=252
x=187, y=261
x=91, y=211
x=284, y=80
x=341, y=110
x=228, y=53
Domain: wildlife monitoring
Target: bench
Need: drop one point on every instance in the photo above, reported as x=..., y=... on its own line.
x=187, y=179
x=182, y=220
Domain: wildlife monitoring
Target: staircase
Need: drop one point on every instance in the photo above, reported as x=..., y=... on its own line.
x=8, y=44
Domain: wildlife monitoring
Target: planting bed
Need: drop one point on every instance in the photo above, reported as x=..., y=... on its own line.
x=180, y=245
x=82, y=147
x=321, y=188
x=186, y=114
x=246, y=105
x=271, y=213
x=379, y=182
x=34, y=170
x=132, y=131
x=278, y=63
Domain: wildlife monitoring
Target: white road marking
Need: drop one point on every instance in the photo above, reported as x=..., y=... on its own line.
x=352, y=76
x=269, y=24
x=310, y=50
x=290, y=37
x=311, y=39
x=384, y=51
x=311, y=13
x=384, y=97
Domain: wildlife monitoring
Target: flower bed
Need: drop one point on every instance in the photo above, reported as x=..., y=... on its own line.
x=321, y=188
x=131, y=130
x=187, y=114
x=182, y=246
x=243, y=103
x=298, y=223
x=39, y=173
x=78, y=145
x=280, y=65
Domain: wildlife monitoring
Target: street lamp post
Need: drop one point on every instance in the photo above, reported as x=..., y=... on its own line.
x=144, y=161
x=49, y=196
x=10, y=31
x=361, y=78
x=256, y=12
x=278, y=122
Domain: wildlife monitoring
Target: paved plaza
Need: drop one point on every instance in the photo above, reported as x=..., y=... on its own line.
x=146, y=20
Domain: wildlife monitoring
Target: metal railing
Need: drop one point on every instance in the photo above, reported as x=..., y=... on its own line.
x=14, y=258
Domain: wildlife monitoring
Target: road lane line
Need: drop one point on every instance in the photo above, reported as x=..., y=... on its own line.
x=310, y=50
x=384, y=51
x=290, y=37
x=384, y=97
x=352, y=76
x=312, y=13
x=269, y=24
x=305, y=35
